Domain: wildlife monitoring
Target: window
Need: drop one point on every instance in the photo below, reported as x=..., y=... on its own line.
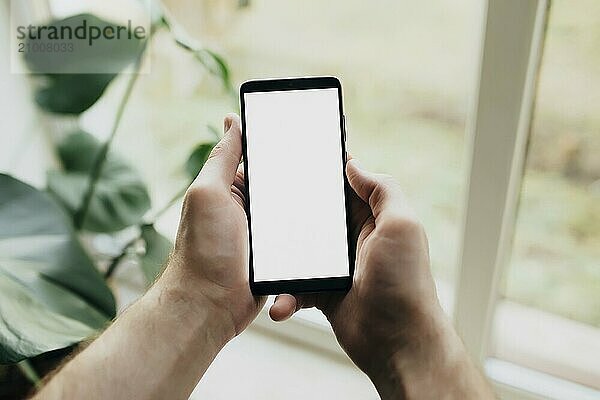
x=555, y=263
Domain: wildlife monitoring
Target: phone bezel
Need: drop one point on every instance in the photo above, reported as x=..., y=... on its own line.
x=307, y=284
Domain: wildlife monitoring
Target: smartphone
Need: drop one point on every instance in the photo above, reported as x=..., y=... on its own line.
x=297, y=192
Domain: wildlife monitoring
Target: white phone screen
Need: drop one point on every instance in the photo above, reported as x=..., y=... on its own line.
x=296, y=184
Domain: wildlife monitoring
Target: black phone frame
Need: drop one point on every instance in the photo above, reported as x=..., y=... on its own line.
x=310, y=284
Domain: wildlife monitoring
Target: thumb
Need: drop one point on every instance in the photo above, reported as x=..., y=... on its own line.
x=363, y=182
x=380, y=192
x=221, y=166
x=284, y=307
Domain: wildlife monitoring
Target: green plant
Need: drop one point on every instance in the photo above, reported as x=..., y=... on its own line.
x=52, y=293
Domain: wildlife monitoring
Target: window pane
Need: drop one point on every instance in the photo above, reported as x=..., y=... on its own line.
x=555, y=264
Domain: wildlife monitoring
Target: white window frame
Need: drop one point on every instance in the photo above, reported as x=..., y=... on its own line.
x=498, y=131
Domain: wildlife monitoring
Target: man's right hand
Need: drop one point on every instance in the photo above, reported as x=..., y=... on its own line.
x=390, y=323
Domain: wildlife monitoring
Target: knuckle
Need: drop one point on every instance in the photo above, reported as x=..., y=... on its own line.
x=386, y=178
x=198, y=193
x=386, y=182
x=401, y=226
x=217, y=151
x=385, y=188
x=386, y=185
x=222, y=150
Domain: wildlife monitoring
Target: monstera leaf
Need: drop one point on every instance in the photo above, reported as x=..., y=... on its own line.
x=216, y=65
x=120, y=198
x=75, y=77
x=158, y=248
x=71, y=93
x=51, y=295
x=210, y=60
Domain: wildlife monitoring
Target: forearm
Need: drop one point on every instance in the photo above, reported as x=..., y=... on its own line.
x=159, y=348
x=436, y=366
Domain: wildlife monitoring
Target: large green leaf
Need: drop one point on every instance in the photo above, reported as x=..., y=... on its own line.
x=51, y=295
x=120, y=198
x=210, y=60
x=28, y=328
x=71, y=93
x=158, y=248
x=216, y=65
x=75, y=80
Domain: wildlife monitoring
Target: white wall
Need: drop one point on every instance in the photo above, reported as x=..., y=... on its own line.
x=23, y=148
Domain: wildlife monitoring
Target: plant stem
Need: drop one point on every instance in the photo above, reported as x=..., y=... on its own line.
x=214, y=131
x=30, y=373
x=114, y=264
x=117, y=260
x=169, y=204
x=100, y=160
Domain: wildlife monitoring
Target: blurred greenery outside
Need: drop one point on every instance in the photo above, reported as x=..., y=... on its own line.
x=408, y=72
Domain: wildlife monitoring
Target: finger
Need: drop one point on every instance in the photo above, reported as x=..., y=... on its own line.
x=238, y=186
x=380, y=192
x=222, y=163
x=360, y=209
x=238, y=182
x=284, y=307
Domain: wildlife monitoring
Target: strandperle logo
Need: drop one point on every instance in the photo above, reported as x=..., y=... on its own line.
x=84, y=31
x=82, y=43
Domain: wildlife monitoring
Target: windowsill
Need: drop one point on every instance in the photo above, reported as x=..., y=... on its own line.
x=547, y=343
x=512, y=380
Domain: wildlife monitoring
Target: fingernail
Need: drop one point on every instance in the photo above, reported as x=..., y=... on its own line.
x=227, y=124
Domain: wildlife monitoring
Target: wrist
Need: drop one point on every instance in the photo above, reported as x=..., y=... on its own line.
x=182, y=296
x=429, y=365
